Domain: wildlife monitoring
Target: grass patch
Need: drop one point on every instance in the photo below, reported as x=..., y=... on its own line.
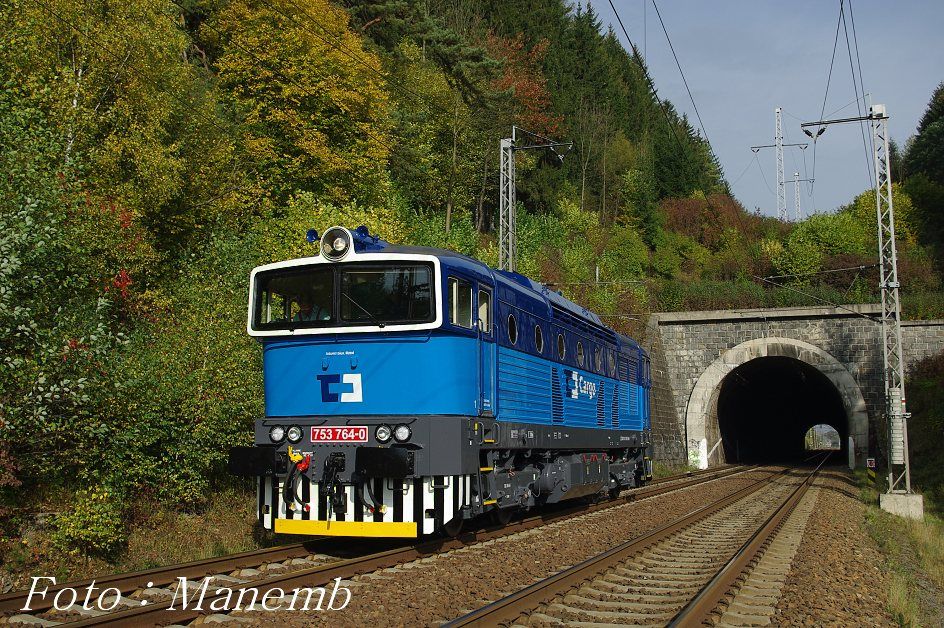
x=887, y=534
x=928, y=536
x=914, y=552
x=903, y=602
x=167, y=537
x=664, y=470
x=915, y=549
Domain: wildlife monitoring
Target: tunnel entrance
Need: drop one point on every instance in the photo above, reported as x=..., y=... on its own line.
x=783, y=386
x=766, y=406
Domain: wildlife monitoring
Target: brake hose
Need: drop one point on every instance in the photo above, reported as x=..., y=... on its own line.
x=382, y=508
x=300, y=464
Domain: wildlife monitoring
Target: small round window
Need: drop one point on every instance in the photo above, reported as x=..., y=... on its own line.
x=611, y=363
x=580, y=355
x=538, y=339
x=598, y=359
x=512, y=329
x=561, y=346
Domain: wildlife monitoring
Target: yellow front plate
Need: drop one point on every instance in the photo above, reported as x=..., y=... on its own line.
x=346, y=528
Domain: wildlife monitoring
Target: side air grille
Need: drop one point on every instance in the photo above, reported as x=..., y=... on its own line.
x=601, y=403
x=557, y=399
x=623, y=370
x=616, y=407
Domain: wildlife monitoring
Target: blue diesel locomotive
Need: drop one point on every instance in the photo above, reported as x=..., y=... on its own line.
x=409, y=389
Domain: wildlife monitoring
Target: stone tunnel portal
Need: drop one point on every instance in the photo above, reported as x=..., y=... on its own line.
x=767, y=405
x=756, y=401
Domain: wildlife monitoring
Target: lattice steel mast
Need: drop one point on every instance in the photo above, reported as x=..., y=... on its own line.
x=797, y=210
x=778, y=142
x=891, y=305
x=899, y=468
x=796, y=197
x=508, y=201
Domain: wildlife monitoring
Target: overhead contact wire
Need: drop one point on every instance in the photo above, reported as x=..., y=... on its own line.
x=684, y=80
x=829, y=77
x=855, y=87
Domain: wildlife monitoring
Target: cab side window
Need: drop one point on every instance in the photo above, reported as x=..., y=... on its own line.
x=460, y=303
x=485, y=311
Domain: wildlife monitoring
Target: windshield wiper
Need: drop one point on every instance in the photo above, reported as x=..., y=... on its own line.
x=362, y=309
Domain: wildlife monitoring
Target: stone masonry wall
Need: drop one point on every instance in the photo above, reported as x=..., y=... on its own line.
x=683, y=345
x=668, y=440
x=921, y=339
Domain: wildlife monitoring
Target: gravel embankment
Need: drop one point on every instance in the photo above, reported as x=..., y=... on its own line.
x=443, y=587
x=836, y=578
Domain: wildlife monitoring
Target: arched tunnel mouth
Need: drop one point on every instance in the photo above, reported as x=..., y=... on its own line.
x=766, y=406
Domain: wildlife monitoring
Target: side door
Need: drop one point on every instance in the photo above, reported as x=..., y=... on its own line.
x=484, y=309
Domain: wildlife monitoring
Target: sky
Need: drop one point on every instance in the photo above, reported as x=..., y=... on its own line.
x=742, y=59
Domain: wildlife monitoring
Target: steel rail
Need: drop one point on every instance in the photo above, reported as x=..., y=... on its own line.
x=156, y=613
x=696, y=612
x=160, y=576
x=508, y=609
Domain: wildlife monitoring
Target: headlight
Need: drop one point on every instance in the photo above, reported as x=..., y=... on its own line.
x=336, y=243
x=276, y=433
x=402, y=433
x=383, y=433
x=294, y=434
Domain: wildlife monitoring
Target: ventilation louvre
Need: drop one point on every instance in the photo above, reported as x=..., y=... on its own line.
x=601, y=403
x=616, y=408
x=557, y=398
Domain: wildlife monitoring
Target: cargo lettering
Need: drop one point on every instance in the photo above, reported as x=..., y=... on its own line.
x=578, y=385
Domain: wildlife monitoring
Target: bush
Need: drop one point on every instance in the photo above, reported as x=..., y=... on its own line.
x=926, y=404
x=193, y=383
x=94, y=527
x=60, y=332
x=666, y=261
x=625, y=256
x=922, y=305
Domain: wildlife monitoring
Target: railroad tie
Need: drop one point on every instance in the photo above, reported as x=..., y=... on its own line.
x=31, y=620
x=755, y=602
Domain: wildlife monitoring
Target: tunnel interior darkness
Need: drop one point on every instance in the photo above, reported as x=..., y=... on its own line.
x=767, y=405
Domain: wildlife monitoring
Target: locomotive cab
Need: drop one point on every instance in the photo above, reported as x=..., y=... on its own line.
x=399, y=400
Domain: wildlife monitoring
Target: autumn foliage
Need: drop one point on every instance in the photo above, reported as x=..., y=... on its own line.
x=523, y=77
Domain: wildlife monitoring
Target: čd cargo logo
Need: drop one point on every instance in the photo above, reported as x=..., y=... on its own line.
x=331, y=384
x=577, y=385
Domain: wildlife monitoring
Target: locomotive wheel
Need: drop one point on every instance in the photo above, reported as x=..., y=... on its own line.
x=502, y=516
x=454, y=527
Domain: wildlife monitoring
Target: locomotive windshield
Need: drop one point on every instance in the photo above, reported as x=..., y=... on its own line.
x=377, y=294
x=391, y=294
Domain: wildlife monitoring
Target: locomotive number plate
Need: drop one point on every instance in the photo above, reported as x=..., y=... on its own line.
x=350, y=434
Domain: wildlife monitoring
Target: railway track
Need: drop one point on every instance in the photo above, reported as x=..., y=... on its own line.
x=143, y=596
x=704, y=567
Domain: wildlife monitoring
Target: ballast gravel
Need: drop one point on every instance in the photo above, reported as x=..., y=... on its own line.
x=837, y=576
x=439, y=588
